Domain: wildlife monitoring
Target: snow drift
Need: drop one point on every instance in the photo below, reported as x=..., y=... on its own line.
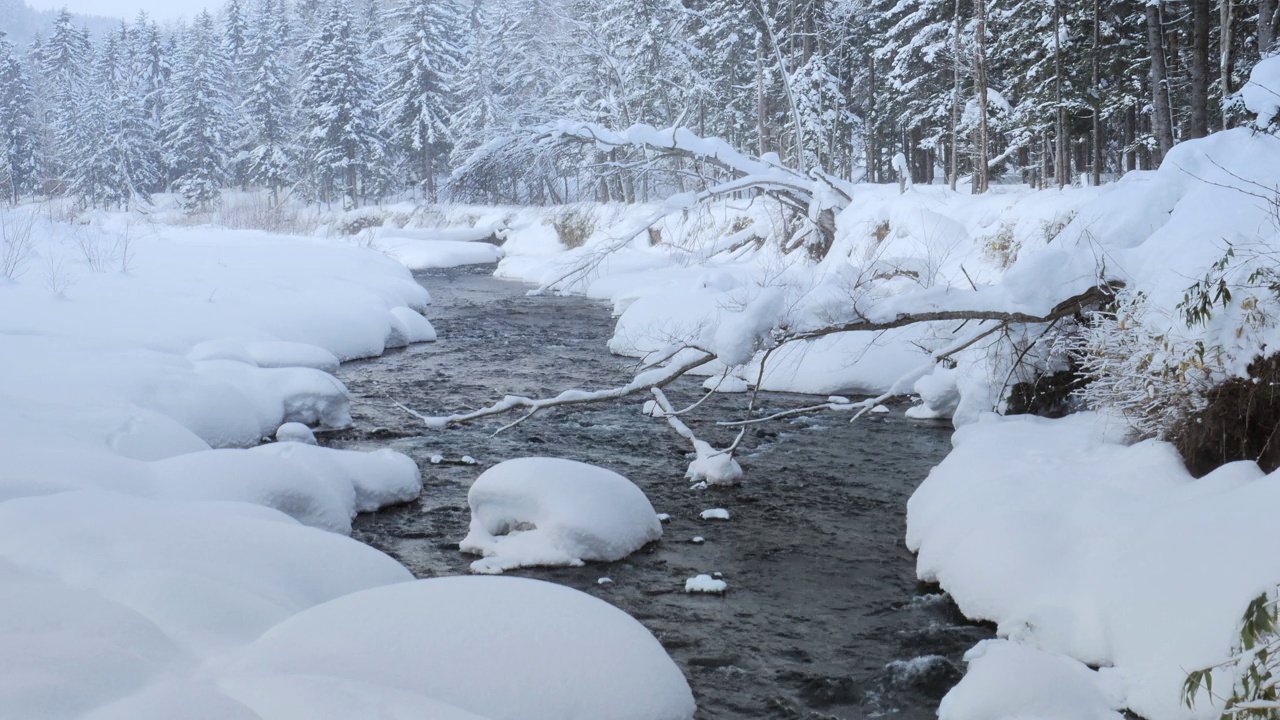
x=548, y=511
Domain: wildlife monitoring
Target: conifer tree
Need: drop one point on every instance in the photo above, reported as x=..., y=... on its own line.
x=418, y=98
x=345, y=151
x=268, y=143
x=196, y=117
x=19, y=162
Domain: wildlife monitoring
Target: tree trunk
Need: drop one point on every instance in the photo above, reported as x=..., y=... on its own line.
x=1227, y=58
x=980, y=169
x=1161, y=118
x=1095, y=139
x=429, y=174
x=1266, y=25
x=1060, y=115
x=953, y=170
x=1200, y=14
x=761, y=109
x=872, y=120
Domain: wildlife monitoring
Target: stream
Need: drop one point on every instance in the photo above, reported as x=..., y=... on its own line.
x=823, y=618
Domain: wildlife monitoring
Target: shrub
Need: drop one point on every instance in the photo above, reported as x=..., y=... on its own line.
x=573, y=227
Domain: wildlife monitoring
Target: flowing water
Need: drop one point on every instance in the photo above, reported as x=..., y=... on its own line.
x=823, y=618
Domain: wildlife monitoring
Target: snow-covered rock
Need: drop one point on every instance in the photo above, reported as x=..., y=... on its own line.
x=705, y=584
x=295, y=432
x=715, y=514
x=502, y=648
x=549, y=511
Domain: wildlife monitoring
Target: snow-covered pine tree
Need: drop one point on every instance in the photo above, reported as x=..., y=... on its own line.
x=118, y=155
x=196, y=117
x=235, y=50
x=344, y=147
x=19, y=161
x=64, y=68
x=151, y=67
x=269, y=142
x=479, y=114
x=725, y=35
x=418, y=98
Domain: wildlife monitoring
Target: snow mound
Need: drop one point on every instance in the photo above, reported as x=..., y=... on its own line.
x=295, y=432
x=1067, y=539
x=422, y=255
x=726, y=384
x=1007, y=680
x=715, y=514
x=502, y=648
x=705, y=584
x=1260, y=94
x=548, y=511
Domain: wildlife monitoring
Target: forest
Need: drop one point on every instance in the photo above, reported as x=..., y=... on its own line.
x=360, y=101
x=641, y=360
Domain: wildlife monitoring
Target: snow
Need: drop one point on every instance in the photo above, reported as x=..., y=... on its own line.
x=425, y=249
x=501, y=648
x=726, y=384
x=549, y=511
x=705, y=584
x=295, y=432
x=715, y=514
x=1008, y=680
x=1261, y=94
x=1068, y=539
x=161, y=558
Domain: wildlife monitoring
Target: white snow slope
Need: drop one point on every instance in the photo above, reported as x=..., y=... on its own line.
x=147, y=540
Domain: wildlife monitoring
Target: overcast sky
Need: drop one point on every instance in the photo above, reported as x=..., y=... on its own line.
x=157, y=9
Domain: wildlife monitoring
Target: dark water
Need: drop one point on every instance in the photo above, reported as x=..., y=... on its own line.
x=823, y=618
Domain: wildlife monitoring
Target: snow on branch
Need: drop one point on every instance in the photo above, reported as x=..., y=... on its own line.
x=714, y=467
x=814, y=195
x=644, y=381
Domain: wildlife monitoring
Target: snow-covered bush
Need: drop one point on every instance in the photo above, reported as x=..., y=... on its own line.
x=1149, y=377
x=573, y=227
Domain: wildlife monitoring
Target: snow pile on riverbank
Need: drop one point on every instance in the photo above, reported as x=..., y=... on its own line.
x=128, y=353
x=423, y=249
x=503, y=648
x=547, y=511
x=1075, y=544
x=147, y=540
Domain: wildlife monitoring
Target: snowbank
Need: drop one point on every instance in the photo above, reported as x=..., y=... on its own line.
x=1075, y=544
x=503, y=648
x=103, y=595
x=423, y=249
x=548, y=511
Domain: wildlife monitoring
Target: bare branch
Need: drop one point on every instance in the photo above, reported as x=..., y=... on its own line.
x=645, y=381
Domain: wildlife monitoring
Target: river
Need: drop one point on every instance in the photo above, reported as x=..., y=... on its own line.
x=823, y=618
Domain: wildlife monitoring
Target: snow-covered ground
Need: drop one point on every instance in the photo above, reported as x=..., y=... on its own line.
x=157, y=560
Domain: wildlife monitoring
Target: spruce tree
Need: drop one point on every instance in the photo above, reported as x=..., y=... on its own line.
x=418, y=98
x=19, y=162
x=268, y=143
x=346, y=153
x=196, y=117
